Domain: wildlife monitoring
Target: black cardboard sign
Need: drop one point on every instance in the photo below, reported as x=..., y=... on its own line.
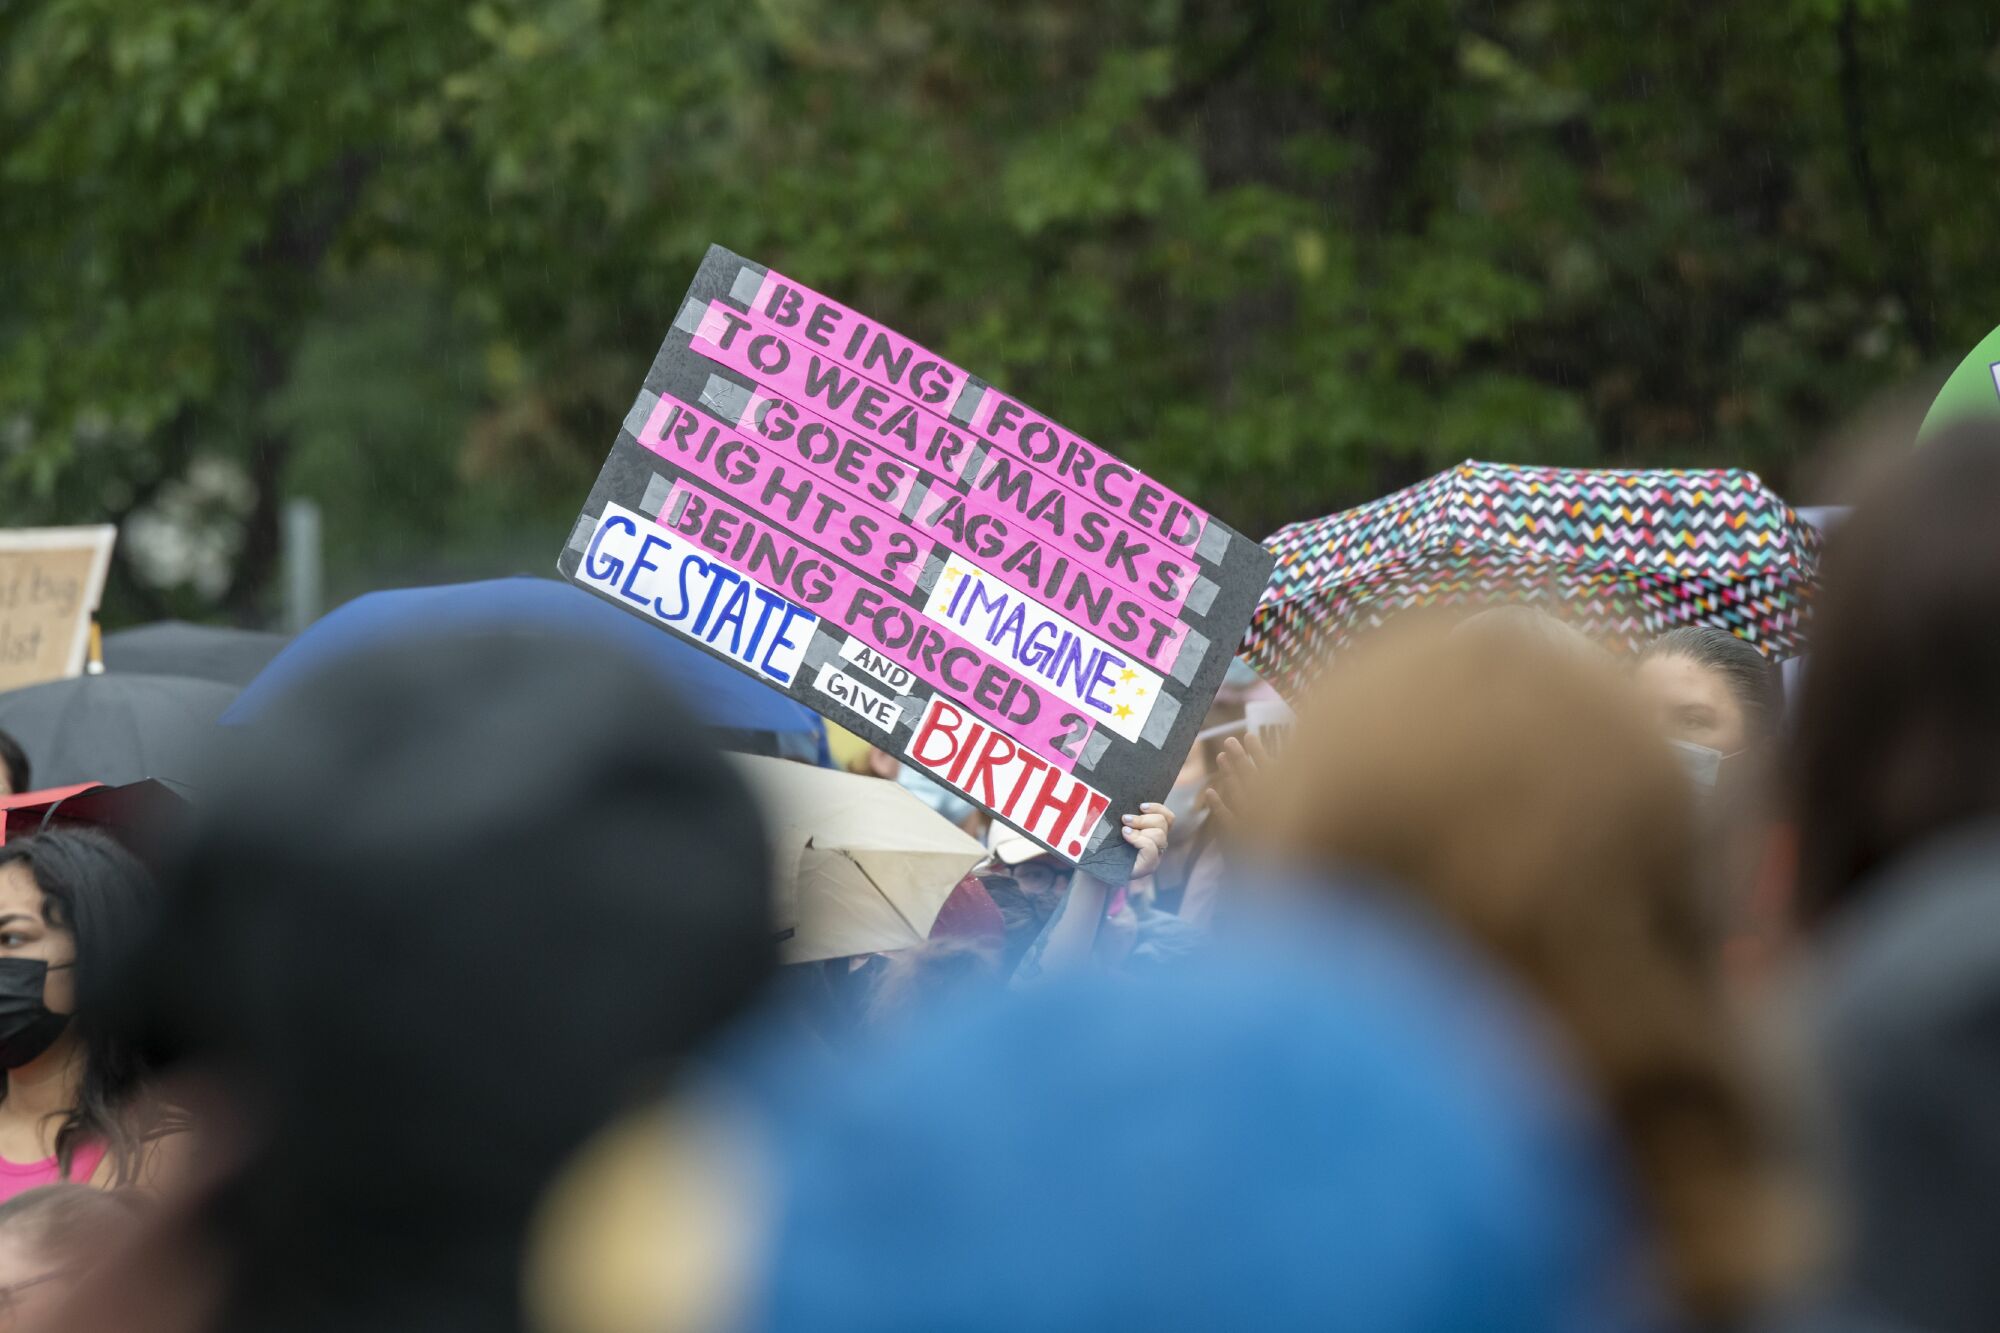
x=908, y=550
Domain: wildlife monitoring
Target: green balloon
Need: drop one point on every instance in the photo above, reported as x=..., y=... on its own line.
x=1972, y=391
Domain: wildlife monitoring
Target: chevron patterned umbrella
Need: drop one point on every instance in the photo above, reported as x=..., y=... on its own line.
x=1627, y=553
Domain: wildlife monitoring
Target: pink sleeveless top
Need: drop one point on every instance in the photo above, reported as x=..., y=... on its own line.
x=19, y=1177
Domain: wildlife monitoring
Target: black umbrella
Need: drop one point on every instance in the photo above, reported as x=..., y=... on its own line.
x=113, y=729
x=205, y=652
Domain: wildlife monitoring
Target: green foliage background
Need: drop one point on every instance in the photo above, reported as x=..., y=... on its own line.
x=412, y=258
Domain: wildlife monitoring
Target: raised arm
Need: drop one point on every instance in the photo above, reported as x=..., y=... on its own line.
x=1067, y=940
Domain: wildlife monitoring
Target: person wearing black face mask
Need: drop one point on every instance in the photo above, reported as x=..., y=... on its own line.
x=399, y=977
x=68, y=901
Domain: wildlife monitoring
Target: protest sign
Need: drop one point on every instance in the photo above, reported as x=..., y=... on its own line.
x=50, y=583
x=933, y=564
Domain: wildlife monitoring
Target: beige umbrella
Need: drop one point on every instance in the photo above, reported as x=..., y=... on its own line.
x=862, y=865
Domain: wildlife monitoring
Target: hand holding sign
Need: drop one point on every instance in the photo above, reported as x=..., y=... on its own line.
x=1149, y=832
x=853, y=519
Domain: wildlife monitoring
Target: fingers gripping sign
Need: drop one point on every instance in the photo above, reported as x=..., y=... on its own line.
x=1148, y=832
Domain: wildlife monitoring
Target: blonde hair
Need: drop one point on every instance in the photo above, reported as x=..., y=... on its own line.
x=1513, y=785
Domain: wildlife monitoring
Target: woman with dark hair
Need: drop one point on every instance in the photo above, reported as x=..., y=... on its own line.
x=473, y=964
x=1710, y=690
x=70, y=901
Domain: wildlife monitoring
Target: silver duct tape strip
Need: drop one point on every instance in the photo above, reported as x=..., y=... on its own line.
x=1201, y=596
x=1194, y=650
x=658, y=488
x=579, y=536
x=1098, y=834
x=966, y=407
x=1093, y=750
x=749, y=281
x=689, y=318
x=641, y=413
x=1166, y=711
x=932, y=572
x=725, y=398
x=823, y=649
x=918, y=491
x=676, y=506
x=974, y=458
x=1214, y=541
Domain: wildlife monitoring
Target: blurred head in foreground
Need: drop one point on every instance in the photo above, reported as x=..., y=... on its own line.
x=1899, y=719
x=421, y=970
x=1516, y=788
x=1897, y=776
x=1345, y=1122
x=50, y=1239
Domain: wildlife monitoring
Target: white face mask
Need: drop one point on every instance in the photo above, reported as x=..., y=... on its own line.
x=1702, y=762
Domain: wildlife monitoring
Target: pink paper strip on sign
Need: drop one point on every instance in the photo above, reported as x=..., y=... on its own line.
x=1161, y=574
x=1155, y=633
x=890, y=359
x=788, y=426
x=894, y=361
x=833, y=580
x=812, y=379
x=1149, y=506
x=895, y=553
x=933, y=654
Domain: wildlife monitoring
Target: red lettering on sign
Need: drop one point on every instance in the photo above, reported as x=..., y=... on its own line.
x=1054, y=808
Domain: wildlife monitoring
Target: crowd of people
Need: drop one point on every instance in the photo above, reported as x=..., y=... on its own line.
x=1518, y=983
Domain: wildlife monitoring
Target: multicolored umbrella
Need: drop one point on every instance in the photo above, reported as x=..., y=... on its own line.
x=1627, y=554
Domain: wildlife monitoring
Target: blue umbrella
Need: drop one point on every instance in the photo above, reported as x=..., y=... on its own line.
x=727, y=700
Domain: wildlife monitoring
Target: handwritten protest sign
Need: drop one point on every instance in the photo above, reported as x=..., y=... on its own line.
x=935, y=565
x=50, y=582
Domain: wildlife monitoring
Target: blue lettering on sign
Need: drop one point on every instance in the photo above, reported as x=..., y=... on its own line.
x=1054, y=653
x=697, y=595
x=640, y=565
x=610, y=569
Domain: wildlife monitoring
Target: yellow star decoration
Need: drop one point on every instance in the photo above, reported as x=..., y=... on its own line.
x=1129, y=674
x=1142, y=691
x=954, y=572
x=1121, y=712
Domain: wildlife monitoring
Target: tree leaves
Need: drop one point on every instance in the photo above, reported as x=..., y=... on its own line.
x=1285, y=256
